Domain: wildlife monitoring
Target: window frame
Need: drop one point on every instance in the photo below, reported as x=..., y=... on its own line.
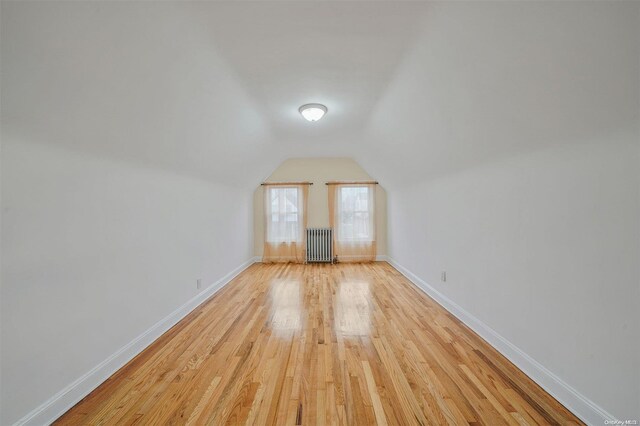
x=296, y=223
x=368, y=211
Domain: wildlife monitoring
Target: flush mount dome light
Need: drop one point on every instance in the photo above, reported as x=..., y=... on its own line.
x=313, y=112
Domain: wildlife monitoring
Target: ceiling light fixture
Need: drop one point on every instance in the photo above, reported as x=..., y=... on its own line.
x=313, y=112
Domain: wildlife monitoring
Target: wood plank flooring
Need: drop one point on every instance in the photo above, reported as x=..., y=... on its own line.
x=352, y=344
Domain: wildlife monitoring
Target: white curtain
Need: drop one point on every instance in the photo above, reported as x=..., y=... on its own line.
x=285, y=208
x=352, y=216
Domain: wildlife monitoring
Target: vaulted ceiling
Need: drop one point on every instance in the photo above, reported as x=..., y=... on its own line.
x=413, y=89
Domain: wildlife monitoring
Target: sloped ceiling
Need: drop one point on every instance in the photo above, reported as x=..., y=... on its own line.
x=413, y=89
x=485, y=81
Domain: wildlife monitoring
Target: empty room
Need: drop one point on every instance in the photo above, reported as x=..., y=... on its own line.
x=319, y=212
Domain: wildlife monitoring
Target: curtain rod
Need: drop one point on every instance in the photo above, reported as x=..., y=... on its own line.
x=285, y=183
x=366, y=182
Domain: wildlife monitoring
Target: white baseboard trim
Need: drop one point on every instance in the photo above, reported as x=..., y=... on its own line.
x=62, y=401
x=587, y=410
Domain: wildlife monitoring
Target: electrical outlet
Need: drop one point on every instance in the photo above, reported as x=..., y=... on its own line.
x=199, y=283
x=443, y=277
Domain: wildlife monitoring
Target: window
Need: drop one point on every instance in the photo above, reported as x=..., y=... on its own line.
x=285, y=220
x=355, y=214
x=352, y=215
x=284, y=214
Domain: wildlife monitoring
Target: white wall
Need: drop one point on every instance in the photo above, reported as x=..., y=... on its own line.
x=112, y=205
x=319, y=171
x=522, y=180
x=543, y=248
x=95, y=252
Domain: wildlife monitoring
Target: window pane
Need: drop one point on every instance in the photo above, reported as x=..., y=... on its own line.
x=284, y=218
x=354, y=215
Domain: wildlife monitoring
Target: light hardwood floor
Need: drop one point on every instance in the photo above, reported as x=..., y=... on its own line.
x=349, y=344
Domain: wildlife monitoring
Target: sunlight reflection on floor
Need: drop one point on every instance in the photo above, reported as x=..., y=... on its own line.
x=353, y=308
x=286, y=305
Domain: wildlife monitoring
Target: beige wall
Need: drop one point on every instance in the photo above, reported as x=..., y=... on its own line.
x=319, y=171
